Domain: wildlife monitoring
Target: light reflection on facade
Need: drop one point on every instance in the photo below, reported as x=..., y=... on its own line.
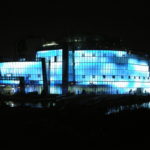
x=108, y=72
x=31, y=71
x=54, y=69
x=91, y=71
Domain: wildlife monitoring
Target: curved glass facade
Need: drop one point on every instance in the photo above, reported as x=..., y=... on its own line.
x=10, y=72
x=86, y=71
x=53, y=60
x=108, y=72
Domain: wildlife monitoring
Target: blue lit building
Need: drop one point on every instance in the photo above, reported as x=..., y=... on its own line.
x=12, y=72
x=108, y=72
x=79, y=66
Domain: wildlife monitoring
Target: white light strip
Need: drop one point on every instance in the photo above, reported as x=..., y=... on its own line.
x=50, y=44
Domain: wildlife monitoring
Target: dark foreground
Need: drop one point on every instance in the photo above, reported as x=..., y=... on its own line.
x=45, y=127
x=72, y=125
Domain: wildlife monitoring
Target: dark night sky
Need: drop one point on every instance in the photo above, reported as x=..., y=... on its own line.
x=128, y=21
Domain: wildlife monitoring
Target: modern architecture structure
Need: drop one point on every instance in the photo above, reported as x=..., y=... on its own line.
x=78, y=65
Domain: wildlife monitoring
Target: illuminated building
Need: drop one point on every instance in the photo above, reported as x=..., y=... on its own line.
x=108, y=71
x=11, y=73
x=72, y=68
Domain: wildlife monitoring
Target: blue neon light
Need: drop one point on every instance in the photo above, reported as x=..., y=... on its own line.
x=115, y=70
x=54, y=68
x=29, y=70
x=101, y=71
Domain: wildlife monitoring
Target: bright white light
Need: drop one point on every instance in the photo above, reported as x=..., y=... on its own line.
x=50, y=44
x=12, y=105
x=8, y=75
x=54, y=104
x=120, y=84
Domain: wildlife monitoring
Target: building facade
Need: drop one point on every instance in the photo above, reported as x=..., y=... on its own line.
x=108, y=72
x=78, y=71
x=12, y=73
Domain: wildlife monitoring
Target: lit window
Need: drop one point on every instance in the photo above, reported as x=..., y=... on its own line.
x=83, y=76
x=8, y=75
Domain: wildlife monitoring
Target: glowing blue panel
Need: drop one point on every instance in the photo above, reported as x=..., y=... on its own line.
x=53, y=67
x=115, y=70
x=29, y=70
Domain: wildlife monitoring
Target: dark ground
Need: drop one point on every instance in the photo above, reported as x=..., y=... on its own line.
x=75, y=126
x=72, y=125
